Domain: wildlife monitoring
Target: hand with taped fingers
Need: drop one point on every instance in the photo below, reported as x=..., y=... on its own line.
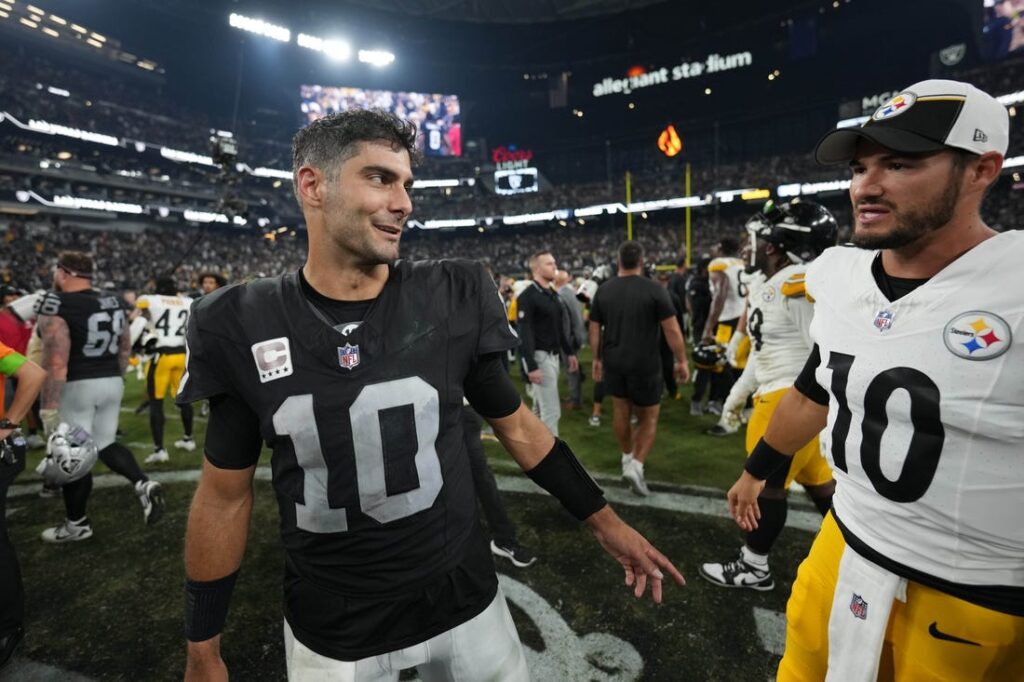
x=743, y=501
x=642, y=562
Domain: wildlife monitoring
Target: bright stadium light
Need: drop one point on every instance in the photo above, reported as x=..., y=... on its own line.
x=58, y=20
x=335, y=49
x=376, y=57
x=260, y=27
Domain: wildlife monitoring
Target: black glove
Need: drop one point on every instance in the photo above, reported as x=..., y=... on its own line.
x=13, y=449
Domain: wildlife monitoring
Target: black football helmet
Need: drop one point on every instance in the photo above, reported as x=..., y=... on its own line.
x=709, y=357
x=802, y=229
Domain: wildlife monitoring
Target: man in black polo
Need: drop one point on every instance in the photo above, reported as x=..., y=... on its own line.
x=542, y=337
x=627, y=318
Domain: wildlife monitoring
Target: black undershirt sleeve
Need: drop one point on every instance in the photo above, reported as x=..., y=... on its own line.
x=489, y=389
x=807, y=383
x=233, y=433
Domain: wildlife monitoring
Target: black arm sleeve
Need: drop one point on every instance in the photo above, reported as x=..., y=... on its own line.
x=807, y=383
x=233, y=433
x=489, y=389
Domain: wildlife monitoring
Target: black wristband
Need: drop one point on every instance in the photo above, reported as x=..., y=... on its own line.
x=765, y=460
x=206, y=606
x=562, y=475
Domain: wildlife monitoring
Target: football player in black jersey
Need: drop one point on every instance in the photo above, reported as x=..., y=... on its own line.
x=353, y=370
x=85, y=351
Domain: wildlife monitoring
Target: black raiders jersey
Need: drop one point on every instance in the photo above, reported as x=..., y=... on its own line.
x=96, y=321
x=369, y=464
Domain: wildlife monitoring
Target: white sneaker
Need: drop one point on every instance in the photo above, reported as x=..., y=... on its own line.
x=185, y=443
x=595, y=420
x=151, y=497
x=68, y=532
x=738, y=573
x=728, y=424
x=158, y=456
x=633, y=474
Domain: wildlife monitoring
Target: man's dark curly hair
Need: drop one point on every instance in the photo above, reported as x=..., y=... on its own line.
x=330, y=141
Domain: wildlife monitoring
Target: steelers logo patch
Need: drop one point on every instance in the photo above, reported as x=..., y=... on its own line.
x=896, y=106
x=977, y=335
x=768, y=294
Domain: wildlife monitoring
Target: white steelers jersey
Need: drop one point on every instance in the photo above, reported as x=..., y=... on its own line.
x=926, y=410
x=168, y=316
x=778, y=321
x=735, y=291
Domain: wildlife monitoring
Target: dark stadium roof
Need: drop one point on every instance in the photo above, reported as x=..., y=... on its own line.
x=507, y=11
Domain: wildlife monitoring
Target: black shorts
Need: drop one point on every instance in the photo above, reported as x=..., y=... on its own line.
x=643, y=390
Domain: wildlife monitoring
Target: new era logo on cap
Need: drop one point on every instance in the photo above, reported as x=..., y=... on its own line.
x=926, y=117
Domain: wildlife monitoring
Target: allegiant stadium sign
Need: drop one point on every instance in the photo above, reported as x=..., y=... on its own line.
x=715, y=63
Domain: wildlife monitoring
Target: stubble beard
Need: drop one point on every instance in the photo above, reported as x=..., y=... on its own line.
x=912, y=225
x=353, y=232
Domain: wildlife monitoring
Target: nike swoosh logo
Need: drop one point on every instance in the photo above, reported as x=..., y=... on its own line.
x=934, y=631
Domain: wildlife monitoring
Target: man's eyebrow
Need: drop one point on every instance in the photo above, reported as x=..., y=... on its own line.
x=385, y=171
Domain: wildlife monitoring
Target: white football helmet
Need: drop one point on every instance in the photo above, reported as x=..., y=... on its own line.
x=70, y=455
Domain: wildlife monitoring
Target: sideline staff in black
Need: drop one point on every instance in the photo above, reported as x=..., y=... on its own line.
x=627, y=317
x=542, y=336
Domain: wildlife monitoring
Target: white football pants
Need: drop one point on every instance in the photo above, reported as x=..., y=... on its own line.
x=485, y=648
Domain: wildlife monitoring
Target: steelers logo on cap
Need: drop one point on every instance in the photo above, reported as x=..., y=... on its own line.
x=896, y=106
x=977, y=335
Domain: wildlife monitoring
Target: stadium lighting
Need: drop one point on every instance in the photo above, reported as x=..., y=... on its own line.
x=4, y=15
x=97, y=36
x=94, y=43
x=28, y=22
x=338, y=50
x=376, y=57
x=5, y=6
x=260, y=27
x=707, y=91
x=58, y=91
x=50, y=32
x=148, y=66
x=34, y=10
x=58, y=20
x=80, y=29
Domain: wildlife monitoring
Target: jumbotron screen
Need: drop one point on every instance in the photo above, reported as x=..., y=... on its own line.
x=1003, y=29
x=437, y=117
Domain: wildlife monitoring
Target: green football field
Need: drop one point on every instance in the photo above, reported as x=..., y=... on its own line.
x=110, y=608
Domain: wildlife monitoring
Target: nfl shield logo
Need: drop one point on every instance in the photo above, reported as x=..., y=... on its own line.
x=348, y=356
x=859, y=607
x=883, y=320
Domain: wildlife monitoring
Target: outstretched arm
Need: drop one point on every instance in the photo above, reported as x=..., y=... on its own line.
x=553, y=466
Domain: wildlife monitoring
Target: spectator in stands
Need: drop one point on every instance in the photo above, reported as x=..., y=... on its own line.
x=627, y=317
x=211, y=281
x=542, y=338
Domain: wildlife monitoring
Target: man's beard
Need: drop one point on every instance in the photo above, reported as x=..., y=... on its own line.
x=911, y=226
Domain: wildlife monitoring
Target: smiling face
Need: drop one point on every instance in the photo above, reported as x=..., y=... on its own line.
x=898, y=199
x=365, y=207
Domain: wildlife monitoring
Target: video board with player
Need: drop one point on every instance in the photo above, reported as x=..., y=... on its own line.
x=437, y=117
x=1002, y=29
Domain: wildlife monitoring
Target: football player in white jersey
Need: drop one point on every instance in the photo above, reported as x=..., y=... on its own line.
x=916, y=384
x=783, y=240
x=728, y=293
x=166, y=313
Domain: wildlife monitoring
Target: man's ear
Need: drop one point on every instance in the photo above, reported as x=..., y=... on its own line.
x=311, y=185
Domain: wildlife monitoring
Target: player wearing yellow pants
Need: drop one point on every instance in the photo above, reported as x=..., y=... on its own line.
x=164, y=374
x=933, y=636
x=167, y=314
x=782, y=240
